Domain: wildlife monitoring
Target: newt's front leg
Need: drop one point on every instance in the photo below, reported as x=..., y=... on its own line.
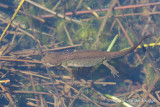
x=68, y=69
x=114, y=72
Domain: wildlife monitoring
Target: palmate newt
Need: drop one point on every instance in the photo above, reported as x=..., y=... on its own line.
x=84, y=58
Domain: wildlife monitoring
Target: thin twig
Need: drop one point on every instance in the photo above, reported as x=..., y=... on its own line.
x=113, y=2
x=52, y=12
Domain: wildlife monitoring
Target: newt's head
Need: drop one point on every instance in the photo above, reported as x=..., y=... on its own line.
x=51, y=60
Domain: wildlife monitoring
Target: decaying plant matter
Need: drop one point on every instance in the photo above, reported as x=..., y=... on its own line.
x=30, y=30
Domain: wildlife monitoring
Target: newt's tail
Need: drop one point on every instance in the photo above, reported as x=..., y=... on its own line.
x=122, y=53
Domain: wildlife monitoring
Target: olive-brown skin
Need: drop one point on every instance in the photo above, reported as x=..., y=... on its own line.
x=84, y=58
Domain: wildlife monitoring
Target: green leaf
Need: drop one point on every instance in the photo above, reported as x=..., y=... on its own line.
x=112, y=43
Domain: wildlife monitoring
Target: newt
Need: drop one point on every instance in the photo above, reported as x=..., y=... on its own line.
x=84, y=58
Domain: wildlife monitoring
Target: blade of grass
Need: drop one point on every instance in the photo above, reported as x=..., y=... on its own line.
x=15, y=13
x=112, y=43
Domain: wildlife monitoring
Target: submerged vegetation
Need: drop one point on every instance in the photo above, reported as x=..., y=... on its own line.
x=46, y=26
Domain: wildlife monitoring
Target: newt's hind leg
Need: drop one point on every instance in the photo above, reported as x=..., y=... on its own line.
x=114, y=72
